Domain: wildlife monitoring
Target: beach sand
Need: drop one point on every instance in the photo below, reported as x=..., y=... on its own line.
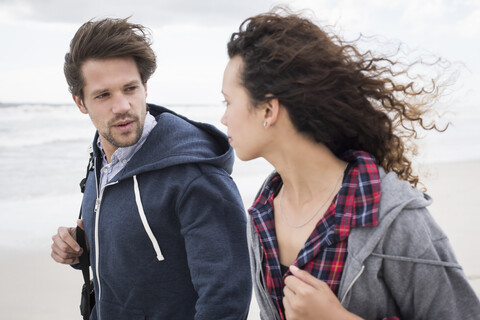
x=35, y=287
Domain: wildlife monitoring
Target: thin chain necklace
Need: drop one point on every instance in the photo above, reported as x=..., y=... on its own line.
x=284, y=217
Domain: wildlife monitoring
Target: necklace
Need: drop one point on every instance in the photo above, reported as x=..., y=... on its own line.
x=296, y=226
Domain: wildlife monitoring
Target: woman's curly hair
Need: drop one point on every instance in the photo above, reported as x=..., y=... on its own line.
x=332, y=92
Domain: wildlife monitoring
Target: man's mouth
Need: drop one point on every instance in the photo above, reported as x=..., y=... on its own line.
x=124, y=125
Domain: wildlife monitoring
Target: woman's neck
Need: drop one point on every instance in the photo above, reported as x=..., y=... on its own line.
x=308, y=169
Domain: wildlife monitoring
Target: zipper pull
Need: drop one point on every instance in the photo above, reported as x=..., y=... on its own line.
x=97, y=203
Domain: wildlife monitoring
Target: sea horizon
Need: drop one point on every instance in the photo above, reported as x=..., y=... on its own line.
x=43, y=156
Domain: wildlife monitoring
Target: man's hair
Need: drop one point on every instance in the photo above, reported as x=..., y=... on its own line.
x=108, y=38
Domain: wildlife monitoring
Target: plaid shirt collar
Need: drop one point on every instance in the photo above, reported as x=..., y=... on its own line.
x=324, y=252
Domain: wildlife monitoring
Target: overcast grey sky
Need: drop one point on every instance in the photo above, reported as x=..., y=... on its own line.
x=190, y=38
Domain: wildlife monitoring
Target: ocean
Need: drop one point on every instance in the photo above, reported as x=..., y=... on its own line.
x=43, y=156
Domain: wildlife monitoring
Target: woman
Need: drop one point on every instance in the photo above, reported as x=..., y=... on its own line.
x=339, y=230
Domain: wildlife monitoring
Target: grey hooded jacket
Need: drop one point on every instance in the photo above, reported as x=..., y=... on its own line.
x=402, y=267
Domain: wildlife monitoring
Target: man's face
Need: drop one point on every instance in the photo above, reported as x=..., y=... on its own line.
x=115, y=100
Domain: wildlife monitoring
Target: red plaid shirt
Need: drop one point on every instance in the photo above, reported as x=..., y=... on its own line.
x=323, y=254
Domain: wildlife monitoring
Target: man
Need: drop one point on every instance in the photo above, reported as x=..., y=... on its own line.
x=163, y=218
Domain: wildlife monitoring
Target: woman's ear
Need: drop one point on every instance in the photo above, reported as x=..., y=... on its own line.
x=271, y=111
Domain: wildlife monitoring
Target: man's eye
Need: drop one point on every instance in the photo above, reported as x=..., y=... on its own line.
x=132, y=88
x=101, y=96
x=225, y=103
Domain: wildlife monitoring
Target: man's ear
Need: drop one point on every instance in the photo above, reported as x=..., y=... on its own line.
x=272, y=109
x=80, y=104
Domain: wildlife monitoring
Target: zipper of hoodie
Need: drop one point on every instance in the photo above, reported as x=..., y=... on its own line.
x=352, y=283
x=97, y=247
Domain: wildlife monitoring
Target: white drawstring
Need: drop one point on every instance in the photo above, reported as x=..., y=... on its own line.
x=144, y=220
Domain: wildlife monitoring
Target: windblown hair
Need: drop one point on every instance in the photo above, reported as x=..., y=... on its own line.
x=108, y=38
x=332, y=92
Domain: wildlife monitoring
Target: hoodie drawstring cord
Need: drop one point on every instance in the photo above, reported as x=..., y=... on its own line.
x=143, y=217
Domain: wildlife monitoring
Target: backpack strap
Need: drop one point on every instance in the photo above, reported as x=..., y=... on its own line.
x=84, y=258
x=86, y=306
x=84, y=180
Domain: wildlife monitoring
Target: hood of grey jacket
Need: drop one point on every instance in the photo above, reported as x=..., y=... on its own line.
x=396, y=196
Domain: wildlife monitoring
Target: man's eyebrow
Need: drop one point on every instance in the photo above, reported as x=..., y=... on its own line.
x=98, y=92
x=133, y=82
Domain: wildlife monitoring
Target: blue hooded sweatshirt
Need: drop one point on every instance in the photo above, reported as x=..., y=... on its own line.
x=167, y=234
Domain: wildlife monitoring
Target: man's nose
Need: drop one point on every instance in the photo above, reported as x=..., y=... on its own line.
x=120, y=104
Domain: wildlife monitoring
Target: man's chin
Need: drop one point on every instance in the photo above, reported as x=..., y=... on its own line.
x=126, y=143
x=123, y=141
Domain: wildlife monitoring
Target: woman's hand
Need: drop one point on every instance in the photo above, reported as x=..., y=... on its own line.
x=306, y=297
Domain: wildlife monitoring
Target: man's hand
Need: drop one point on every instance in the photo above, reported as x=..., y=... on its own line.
x=307, y=297
x=65, y=248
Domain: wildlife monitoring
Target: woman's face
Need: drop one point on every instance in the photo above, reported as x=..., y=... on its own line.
x=243, y=121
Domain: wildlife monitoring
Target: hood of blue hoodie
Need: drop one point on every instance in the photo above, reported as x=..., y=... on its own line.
x=178, y=140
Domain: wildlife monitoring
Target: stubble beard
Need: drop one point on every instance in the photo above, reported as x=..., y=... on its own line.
x=117, y=141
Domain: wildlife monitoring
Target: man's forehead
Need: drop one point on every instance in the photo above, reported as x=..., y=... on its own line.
x=100, y=74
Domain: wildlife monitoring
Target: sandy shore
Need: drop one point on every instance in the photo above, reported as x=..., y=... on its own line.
x=35, y=287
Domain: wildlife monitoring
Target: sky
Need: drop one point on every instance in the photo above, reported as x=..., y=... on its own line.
x=190, y=36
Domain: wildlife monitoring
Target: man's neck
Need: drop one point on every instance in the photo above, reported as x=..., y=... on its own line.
x=108, y=149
